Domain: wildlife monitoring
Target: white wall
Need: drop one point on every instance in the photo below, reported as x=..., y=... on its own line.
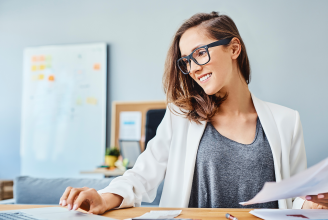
x=286, y=42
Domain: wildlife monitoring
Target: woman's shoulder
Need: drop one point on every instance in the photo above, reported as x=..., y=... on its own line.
x=284, y=116
x=280, y=109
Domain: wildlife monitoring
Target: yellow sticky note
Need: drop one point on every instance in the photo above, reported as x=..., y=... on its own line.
x=34, y=68
x=92, y=101
x=42, y=67
x=41, y=77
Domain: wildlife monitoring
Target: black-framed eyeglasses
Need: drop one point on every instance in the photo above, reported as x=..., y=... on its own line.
x=200, y=56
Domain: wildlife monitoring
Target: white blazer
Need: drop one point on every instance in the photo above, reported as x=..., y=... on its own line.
x=171, y=154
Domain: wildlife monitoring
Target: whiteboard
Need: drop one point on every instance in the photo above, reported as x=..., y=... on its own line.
x=64, y=107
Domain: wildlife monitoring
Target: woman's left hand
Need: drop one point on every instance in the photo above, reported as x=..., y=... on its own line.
x=319, y=201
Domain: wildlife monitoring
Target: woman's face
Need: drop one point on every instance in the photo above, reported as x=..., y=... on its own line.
x=216, y=74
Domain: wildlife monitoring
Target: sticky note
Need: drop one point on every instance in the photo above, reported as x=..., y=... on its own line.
x=34, y=59
x=34, y=68
x=42, y=67
x=34, y=77
x=48, y=66
x=48, y=58
x=92, y=101
x=41, y=58
x=41, y=77
x=51, y=78
x=96, y=66
x=79, y=101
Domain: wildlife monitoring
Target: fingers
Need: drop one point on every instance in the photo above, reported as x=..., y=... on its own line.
x=67, y=195
x=84, y=198
x=320, y=199
x=90, y=201
x=63, y=199
x=74, y=193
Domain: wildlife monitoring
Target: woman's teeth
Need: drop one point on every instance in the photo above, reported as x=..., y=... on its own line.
x=205, y=77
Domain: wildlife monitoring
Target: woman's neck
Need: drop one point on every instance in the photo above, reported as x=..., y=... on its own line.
x=239, y=101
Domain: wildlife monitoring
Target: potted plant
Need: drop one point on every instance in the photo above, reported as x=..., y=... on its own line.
x=111, y=156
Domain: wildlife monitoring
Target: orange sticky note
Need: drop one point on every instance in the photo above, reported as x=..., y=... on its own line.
x=41, y=76
x=34, y=59
x=51, y=78
x=34, y=68
x=41, y=58
x=96, y=66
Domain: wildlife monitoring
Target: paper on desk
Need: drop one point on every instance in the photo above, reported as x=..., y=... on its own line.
x=286, y=214
x=311, y=181
x=160, y=214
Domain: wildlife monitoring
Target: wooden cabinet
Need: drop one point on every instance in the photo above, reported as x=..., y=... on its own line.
x=6, y=189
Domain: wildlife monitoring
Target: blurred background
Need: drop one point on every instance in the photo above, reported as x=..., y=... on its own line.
x=285, y=40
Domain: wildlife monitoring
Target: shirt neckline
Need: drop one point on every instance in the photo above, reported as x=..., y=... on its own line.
x=235, y=142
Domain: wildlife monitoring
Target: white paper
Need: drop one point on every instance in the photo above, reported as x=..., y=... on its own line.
x=159, y=214
x=286, y=214
x=312, y=181
x=130, y=126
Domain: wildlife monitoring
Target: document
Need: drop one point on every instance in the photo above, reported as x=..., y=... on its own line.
x=167, y=214
x=311, y=181
x=130, y=125
x=293, y=214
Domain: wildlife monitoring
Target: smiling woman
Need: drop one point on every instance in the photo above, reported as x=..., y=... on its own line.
x=183, y=91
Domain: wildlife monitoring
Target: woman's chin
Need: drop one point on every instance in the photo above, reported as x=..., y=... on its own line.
x=210, y=91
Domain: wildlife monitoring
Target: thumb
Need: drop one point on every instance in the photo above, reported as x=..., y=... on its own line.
x=96, y=208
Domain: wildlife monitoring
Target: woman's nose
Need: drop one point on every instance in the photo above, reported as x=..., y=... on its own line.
x=194, y=67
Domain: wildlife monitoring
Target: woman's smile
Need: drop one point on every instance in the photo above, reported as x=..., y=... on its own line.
x=204, y=78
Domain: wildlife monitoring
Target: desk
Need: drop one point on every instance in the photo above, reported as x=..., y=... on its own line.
x=205, y=214
x=106, y=172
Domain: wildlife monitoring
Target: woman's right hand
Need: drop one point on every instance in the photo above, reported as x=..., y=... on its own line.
x=89, y=200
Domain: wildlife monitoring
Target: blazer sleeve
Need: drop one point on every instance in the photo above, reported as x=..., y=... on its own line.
x=297, y=156
x=141, y=182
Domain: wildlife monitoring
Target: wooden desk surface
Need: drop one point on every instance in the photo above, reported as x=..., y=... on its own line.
x=106, y=172
x=205, y=214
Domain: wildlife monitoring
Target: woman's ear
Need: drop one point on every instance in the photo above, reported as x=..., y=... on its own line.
x=235, y=48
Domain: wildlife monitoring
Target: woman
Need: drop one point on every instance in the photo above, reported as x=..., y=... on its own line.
x=217, y=144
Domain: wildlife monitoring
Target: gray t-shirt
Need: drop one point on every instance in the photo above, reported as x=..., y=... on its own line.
x=228, y=172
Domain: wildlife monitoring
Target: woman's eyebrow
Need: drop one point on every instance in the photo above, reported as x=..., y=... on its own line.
x=199, y=45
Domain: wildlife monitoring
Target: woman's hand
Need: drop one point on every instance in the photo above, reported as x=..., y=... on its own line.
x=89, y=200
x=319, y=201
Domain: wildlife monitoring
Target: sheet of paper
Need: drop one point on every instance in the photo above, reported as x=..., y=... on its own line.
x=159, y=214
x=130, y=125
x=286, y=214
x=311, y=181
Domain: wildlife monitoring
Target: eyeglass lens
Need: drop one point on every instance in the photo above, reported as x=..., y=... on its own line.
x=200, y=56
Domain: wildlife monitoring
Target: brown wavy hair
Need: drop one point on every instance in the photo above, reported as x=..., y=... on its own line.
x=181, y=90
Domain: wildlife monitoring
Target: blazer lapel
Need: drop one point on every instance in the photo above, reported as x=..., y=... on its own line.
x=271, y=132
x=194, y=135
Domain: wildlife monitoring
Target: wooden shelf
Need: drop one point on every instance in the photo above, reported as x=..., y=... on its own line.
x=6, y=189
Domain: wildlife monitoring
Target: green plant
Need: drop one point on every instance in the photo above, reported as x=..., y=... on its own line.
x=113, y=151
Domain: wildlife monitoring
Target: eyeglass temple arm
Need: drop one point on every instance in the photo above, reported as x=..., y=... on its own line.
x=220, y=42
